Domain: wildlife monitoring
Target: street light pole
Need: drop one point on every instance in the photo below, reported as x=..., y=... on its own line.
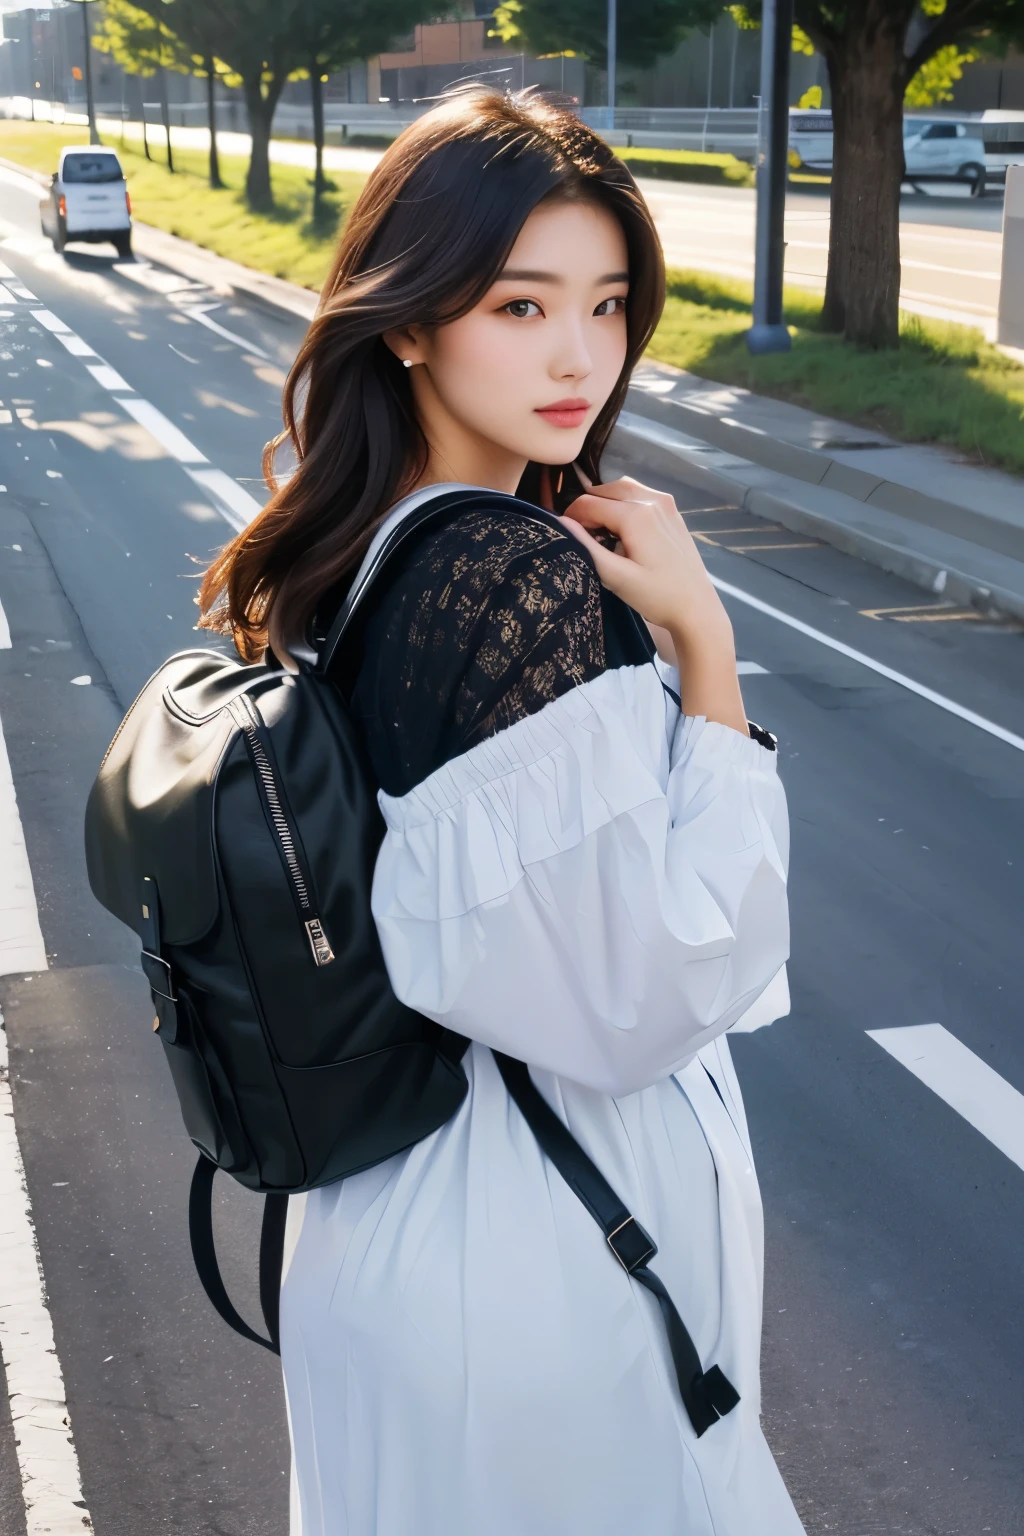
x=768, y=332
x=90, y=105
x=612, y=50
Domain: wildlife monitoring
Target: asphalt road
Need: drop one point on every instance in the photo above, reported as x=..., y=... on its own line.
x=894, y=1339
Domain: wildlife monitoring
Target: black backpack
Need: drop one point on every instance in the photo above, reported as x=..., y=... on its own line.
x=234, y=825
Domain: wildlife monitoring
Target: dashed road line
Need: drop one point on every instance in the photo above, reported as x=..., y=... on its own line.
x=965, y=1082
x=900, y=678
x=5, y=631
x=163, y=429
x=233, y=503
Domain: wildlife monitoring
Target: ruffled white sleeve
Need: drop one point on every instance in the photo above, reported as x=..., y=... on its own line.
x=598, y=890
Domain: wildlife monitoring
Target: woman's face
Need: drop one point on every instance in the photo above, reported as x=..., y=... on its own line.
x=524, y=374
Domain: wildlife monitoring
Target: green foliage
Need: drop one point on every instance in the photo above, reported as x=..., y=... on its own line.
x=646, y=28
x=139, y=42
x=935, y=79
x=688, y=165
x=945, y=384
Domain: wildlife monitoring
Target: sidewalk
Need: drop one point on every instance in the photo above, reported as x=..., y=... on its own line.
x=923, y=513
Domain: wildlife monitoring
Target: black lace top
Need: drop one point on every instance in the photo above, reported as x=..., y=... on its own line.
x=482, y=622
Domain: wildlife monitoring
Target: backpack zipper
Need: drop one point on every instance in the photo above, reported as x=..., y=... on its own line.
x=287, y=841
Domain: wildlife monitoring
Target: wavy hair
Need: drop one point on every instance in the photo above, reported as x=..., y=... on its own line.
x=427, y=238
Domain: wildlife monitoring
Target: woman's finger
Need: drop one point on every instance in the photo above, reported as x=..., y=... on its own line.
x=593, y=512
x=607, y=563
x=626, y=489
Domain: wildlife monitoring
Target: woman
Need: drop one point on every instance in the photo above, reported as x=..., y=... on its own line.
x=574, y=871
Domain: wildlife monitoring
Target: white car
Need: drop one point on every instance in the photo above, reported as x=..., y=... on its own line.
x=944, y=151
x=88, y=200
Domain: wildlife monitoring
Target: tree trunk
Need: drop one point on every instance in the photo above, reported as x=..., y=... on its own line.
x=317, y=94
x=258, y=191
x=867, y=76
x=165, y=113
x=211, y=117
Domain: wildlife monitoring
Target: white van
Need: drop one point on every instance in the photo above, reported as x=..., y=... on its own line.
x=88, y=200
x=810, y=140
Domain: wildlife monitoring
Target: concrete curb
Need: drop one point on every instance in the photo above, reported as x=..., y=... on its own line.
x=930, y=557
x=815, y=466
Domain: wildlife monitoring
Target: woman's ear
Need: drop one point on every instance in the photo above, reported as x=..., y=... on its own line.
x=405, y=344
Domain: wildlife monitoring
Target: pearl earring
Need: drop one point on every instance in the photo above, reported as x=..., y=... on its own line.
x=406, y=362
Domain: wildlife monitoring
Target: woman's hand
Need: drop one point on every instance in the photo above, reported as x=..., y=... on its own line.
x=656, y=568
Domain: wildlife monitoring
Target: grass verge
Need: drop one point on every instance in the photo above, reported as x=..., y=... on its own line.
x=285, y=242
x=688, y=165
x=945, y=384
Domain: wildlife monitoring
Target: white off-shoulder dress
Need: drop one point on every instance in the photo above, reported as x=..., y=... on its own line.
x=596, y=885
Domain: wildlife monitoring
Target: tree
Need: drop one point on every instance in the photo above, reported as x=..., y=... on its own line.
x=874, y=51
x=646, y=28
x=142, y=46
x=141, y=41
x=334, y=33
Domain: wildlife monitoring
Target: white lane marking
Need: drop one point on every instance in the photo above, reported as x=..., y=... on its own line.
x=234, y=504
x=50, y=1478
x=75, y=345
x=749, y=669
x=195, y=313
x=6, y=296
x=21, y=939
x=968, y=1084
x=21, y=292
x=52, y=323
x=5, y=628
x=5, y=270
x=900, y=678
x=163, y=429
x=108, y=377
x=83, y=681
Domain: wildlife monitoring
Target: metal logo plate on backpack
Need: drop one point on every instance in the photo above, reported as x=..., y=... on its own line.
x=323, y=954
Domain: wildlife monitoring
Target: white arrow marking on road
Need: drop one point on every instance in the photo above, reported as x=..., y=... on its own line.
x=968, y=1084
x=900, y=678
x=195, y=313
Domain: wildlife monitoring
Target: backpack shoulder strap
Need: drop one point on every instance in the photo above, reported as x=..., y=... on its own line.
x=707, y=1395
x=428, y=506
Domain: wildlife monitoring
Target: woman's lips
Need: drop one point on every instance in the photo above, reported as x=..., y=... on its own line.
x=565, y=413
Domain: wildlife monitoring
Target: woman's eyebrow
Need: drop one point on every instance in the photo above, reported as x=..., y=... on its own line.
x=530, y=275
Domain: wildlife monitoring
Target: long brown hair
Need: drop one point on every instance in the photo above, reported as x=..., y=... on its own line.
x=430, y=233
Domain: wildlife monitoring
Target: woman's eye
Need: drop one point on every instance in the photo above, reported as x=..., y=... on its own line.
x=611, y=307
x=522, y=309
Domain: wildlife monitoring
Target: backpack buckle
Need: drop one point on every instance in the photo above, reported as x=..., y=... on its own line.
x=157, y=972
x=631, y=1245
